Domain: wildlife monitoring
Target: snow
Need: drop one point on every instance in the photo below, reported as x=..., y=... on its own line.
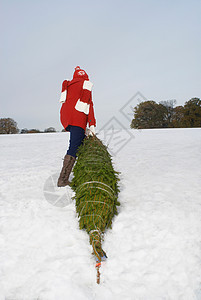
x=154, y=247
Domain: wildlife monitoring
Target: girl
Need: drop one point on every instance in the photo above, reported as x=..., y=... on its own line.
x=76, y=112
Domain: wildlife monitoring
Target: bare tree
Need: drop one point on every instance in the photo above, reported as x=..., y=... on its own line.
x=169, y=105
x=50, y=129
x=24, y=130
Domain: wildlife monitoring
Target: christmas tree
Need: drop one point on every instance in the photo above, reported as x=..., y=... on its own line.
x=96, y=190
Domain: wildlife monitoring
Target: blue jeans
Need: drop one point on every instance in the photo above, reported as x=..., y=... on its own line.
x=77, y=134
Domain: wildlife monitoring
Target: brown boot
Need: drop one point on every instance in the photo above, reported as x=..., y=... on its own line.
x=66, y=170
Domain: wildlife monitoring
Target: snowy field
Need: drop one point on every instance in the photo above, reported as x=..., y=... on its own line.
x=154, y=248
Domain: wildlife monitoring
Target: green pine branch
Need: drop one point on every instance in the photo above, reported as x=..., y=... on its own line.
x=96, y=189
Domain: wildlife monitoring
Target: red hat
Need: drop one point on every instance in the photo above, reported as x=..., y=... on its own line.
x=79, y=73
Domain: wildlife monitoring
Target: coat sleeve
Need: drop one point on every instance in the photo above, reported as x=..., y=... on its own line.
x=86, y=91
x=63, y=91
x=87, y=103
x=91, y=116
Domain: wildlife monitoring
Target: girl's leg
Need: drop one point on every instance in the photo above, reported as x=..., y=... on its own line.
x=77, y=135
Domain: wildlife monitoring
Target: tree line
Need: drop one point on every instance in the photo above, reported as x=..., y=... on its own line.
x=9, y=126
x=149, y=114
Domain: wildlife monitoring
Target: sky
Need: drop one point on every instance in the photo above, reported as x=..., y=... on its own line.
x=150, y=48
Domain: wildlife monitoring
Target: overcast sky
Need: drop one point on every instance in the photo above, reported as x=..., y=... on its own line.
x=129, y=46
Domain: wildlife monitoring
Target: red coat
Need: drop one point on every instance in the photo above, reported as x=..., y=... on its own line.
x=77, y=109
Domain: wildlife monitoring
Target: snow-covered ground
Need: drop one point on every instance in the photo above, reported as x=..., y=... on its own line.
x=154, y=247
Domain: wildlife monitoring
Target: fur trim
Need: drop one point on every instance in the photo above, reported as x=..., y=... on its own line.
x=87, y=85
x=82, y=107
x=63, y=97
